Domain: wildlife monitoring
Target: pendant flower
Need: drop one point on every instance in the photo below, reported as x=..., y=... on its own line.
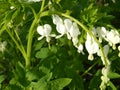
x=60, y=27
x=106, y=50
x=104, y=77
x=56, y=19
x=80, y=49
x=100, y=33
x=44, y=31
x=66, y=27
x=113, y=38
x=91, y=46
x=74, y=33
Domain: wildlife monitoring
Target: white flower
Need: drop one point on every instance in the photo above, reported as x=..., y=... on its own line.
x=68, y=24
x=61, y=29
x=56, y=19
x=106, y=50
x=80, y=49
x=101, y=33
x=66, y=27
x=44, y=31
x=113, y=38
x=119, y=51
x=91, y=46
x=74, y=32
x=2, y=46
x=12, y=7
x=104, y=77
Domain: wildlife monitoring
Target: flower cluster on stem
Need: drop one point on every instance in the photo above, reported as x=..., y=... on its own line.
x=71, y=30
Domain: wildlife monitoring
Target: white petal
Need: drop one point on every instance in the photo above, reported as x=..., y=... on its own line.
x=74, y=31
x=68, y=24
x=61, y=28
x=75, y=41
x=103, y=32
x=40, y=30
x=53, y=35
x=90, y=57
x=59, y=36
x=92, y=48
x=40, y=38
x=113, y=37
x=80, y=49
x=68, y=36
x=48, y=39
x=47, y=29
x=106, y=49
x=119, y=47
x=56, y=19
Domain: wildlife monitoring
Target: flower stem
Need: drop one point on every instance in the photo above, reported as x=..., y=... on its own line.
x=86, y=71
x=31, y=33
x=29, y=43
x=20, y=47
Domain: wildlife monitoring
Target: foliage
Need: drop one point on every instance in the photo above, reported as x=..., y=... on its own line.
x=60, y=59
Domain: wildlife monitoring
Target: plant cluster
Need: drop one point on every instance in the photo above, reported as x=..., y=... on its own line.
x=59, y=45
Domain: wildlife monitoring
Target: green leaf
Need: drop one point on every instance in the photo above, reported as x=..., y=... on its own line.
x=33, y=74
x=2, y=78
x=95, y=81
x=14, y=87
x=20, y=71
x=39, y=45
x=113, y=75
x=59, y=84
x=20, y=75
x=42, y=84
x=112, y=85
x=43, y=53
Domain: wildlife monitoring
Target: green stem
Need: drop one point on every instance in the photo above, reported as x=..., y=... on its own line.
x=89, y=32
x=31, y=33
x=86, y=71
x=20, y=47
x=29, y=43
x=42, y=6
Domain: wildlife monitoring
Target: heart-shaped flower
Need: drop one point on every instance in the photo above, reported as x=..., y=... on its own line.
x=44, y=31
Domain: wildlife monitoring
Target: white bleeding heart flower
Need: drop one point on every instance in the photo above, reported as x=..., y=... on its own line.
x=44, y=31
x=66, y=27
x=74, y=33
x=68, y=24
x=80, y=49
x=106, y=50
x=113, y=38
x=101, y=33
x=74, y=30
x=91, y=46
x=56, y=19
x=61, y=29
x=105, y=79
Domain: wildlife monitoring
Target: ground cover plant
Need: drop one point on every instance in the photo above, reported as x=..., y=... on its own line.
x=59, y=45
